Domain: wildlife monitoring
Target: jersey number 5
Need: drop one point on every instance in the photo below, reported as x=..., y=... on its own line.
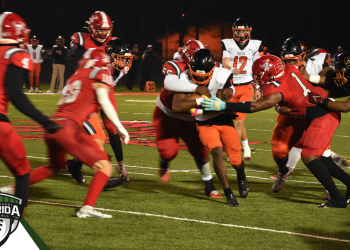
x=243, y=60
x=305, y=90
x=73, y=91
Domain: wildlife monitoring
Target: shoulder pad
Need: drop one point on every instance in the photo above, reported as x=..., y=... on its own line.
x=173, y=68
x=222, y=75
x=218, y=65
x=322, y=51
x=78, y=38
x=19, y=58
x=101, y=75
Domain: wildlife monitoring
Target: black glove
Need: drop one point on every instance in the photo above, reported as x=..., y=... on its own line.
x=52, y=127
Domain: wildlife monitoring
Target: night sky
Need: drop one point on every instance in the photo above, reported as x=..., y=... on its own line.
x=320, y=23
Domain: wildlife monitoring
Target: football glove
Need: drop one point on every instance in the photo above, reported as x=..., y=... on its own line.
x=315, y=98
x=214, y=104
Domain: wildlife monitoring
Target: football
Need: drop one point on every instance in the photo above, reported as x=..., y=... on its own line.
x=193, y=96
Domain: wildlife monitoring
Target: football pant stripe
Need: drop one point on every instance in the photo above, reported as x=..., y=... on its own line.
x=89, y=128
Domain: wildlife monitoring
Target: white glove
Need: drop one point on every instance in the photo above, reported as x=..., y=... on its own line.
x=123, y=131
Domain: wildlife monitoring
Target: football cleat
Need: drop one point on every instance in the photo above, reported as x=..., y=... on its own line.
x=232, y=201
x=90, y=212
x=242, y=186
x=122, y=172
x=74, y=169
x=113, y=182
x=279, y=182
x=345, y=162
x=333, y=203
x=8, y=189
x=31, y=91
x=275, y=176
x=212, y=192
x=37, y=90
x=164, y=174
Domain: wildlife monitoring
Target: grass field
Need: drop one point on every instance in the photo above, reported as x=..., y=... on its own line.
x=149, y=214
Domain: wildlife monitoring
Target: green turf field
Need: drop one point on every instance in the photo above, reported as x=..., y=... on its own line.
x=149, y=214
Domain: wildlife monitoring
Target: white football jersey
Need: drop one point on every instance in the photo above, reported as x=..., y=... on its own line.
x=318, y=62
x=241, y=59
x=218, y=81
x=35, y=54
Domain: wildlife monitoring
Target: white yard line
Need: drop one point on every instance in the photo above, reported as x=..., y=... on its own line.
x=200, y=221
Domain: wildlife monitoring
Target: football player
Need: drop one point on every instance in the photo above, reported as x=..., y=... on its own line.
x=15, y=63
x=238, y=55
x=216, y=131
x=286, y=85
x=288, y=127
x=88, y=90
x=100, y=28
x=170, y=126
x=38, y=55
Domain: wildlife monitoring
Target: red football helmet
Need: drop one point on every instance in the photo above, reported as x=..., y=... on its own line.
x=13, y=29
x=189, y=48
x=96, y=58
x=267, y=68
x=100, y=26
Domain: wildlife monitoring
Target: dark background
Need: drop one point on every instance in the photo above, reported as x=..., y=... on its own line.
x=320, y=23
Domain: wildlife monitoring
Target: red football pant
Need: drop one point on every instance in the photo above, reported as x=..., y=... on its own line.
x=12, y=150
x=72, y=139
x=36, y=71
x=286, y=134
x=169, y=130
x=318, y=135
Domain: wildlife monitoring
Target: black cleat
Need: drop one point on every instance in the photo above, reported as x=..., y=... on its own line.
x=242, y=186
x=334, y=204
x=113, y=182
x=232, y=201
x=74, y=169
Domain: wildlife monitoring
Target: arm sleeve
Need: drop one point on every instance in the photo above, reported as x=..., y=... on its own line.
x=173, y=83
x=14, y=83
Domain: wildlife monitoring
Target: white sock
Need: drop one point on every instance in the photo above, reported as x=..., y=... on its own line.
x=294, y=157
x=87, y=207
x=205, y=172
x=245, y=142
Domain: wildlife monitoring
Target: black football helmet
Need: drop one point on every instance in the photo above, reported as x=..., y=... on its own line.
x=202, y=66
x=342, y=69
x=60, y=39
x=241, y=30
x=292, y=50
x=118, y=49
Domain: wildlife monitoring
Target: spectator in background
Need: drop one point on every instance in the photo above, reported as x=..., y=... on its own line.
x=206, y=46
x=340, y=50
x=177, y=55
x=134, y=68
x=146, y=65
x=59, y=52
x=38, y=55
x=265, y=52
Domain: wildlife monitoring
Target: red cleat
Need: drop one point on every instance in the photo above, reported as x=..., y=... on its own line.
x=215, y=194
x=164, y=175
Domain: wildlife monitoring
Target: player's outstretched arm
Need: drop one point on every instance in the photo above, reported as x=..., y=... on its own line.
x=215, y=104
x=109, y=110
x=14, y=82
x=315, y=98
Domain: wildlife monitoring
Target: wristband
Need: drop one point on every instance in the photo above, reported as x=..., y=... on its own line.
x=325, y=102
x=195, y=111
x=314, y=79
x=199, y=101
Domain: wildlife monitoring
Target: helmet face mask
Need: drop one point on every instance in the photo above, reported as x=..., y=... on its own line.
x=201, y=67
x=241, y=30
x=342, y=69
x=293, y=50
x=119, y=51
x=100, y=26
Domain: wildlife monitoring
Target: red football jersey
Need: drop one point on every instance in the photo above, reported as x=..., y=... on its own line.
x=18, y=57
x=85, y=40
x=294, y=89
x=81, y=100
